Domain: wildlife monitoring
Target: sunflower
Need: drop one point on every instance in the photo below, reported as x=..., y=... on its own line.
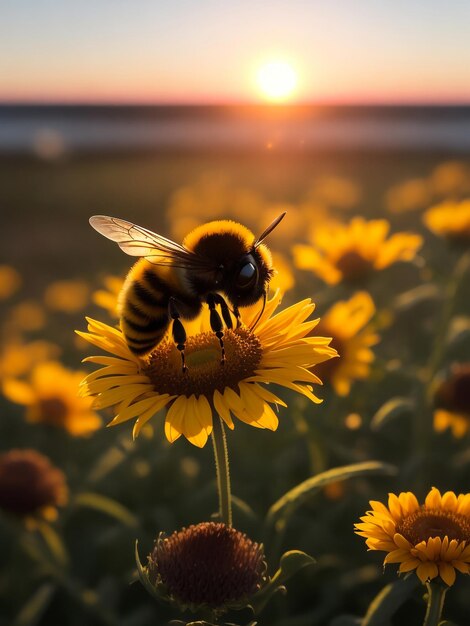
x=351, y=252
x=30, y=486
x=51, y=398
x=452, y=400
x=433, y=538
x=450, y=220
x=108, y=298
x=347, y=322
x=277, y=349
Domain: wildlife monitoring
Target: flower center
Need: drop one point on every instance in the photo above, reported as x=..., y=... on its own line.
x=207, y=564
x=325, y=370
x=205, y=371
x=353, y=265
x=53, y=410
x=426, y=523
x=454, y=394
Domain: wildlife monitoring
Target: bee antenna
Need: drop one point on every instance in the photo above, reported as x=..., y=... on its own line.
x=269, y=229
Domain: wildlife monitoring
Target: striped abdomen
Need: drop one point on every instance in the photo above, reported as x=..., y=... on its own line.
x=144, y=305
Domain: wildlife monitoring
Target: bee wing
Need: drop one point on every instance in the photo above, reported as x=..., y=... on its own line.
x=137, y=241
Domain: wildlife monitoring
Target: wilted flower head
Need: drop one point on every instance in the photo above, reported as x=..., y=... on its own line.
x=433, y=538
x=452, y=400
x=351, y=252
x=279, y=348
x=207, y=565
x=30, y=486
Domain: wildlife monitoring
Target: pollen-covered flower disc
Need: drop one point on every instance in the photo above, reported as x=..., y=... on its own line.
x=433, y=539
x=278, y=349
x=208, y=564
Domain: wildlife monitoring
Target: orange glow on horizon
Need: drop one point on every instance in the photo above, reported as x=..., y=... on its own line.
x=277, y=81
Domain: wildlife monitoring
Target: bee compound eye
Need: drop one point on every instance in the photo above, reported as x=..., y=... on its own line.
x=247, y=275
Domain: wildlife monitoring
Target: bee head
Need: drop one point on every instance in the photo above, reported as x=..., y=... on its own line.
x=242, y=264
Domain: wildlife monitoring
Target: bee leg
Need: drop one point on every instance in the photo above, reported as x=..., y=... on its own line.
x=177, y=330
x=216, y=323
x=236, y=312
x=218, y=299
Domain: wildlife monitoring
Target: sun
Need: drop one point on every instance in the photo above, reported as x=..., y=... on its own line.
x=277, y=80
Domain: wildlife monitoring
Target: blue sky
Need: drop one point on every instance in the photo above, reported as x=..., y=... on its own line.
x=342, y=50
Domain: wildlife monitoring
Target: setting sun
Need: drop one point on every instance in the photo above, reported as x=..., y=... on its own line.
x=277, y=80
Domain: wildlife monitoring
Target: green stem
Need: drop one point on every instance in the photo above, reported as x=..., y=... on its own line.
x=222, y=468
x=436, y=596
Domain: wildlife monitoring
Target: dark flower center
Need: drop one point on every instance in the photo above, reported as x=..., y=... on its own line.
x=207, y=564
x=454, y=393
x=28, y=482
x=53, y=410
x=326, y=370
x=205, y=371
x=426, y=523
x=353, y=265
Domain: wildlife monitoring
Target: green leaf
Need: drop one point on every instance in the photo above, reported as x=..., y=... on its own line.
x=301, y=493
x=407, y=300
x=34, y=608
x=108, y=506
x=396, y=407
x=291, y=563
x=388, y=601
x=54, y=543
x=143, y=577
x=459, y=331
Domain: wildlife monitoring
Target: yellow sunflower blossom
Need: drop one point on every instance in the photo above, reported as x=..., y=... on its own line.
x=18, y=358
x=433, y=538
x=10, y=281
x=277, y=350
x=409, y=195
x=347, y=322
x=452, y=400
x=51, y=398
x=450, y=220
x=283, y=280
x=450, y=178
x=108, y=298
x=341, y=252
x=67, y=296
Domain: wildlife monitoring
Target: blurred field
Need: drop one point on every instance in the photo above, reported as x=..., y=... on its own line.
x=148, y=486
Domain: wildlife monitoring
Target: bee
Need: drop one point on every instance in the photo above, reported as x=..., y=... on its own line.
x=220, y=263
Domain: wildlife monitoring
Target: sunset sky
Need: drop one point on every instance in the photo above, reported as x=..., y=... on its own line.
x=341, y=51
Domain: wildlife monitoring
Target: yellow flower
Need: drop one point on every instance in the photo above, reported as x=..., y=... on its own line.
x=108, y=298
x=283, y=280
x=452, y=399
x=17, y=358
x=346, y=322
x=351, y=252
x=277, y=350
x=410, y=195
x=433, y=539
x=30, y=486
x=68, y=296
x=450, y=220
x=28, y=315
x=10, y=281
x=451, y=177
x=336, y=191
x=51, y=398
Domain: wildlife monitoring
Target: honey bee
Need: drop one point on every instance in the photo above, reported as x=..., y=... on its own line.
x=220, y=263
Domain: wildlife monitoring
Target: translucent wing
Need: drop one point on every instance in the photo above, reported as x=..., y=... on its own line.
x=137, y=241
